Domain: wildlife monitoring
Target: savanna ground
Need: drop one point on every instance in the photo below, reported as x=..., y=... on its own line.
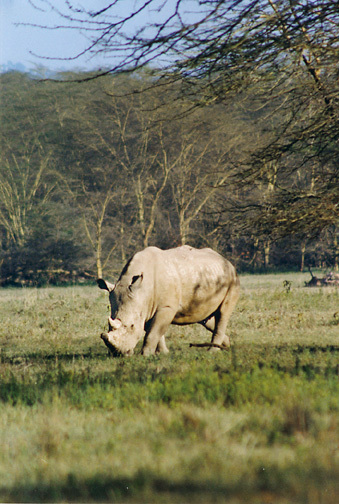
x=258, y=423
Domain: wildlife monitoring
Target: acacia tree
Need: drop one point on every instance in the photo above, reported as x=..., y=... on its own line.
x=139, y=153
x=119, y=172
x=88, y=179
x=202, y=153
x=93, y=207
x=33, y=239
x=25, y=160
x=20, y=185
x=283, y=53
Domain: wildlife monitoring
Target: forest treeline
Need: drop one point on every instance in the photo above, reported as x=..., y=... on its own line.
x=91, y=172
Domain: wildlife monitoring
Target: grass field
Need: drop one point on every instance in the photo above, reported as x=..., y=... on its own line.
x=258, y=423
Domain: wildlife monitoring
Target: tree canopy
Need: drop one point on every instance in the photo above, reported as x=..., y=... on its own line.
x=89, y=174
x=283, y=53
x=215, y=122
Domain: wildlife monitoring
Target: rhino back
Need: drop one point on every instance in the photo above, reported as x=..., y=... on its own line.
x=202, y=279
x=192, y=282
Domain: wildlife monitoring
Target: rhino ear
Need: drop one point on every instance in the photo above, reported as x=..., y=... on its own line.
x=136, y=282
x=105, y=285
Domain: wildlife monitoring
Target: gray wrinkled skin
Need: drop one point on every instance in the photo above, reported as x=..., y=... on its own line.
x=157, y=288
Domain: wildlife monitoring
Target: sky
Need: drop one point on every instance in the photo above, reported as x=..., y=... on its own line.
x=26, y=45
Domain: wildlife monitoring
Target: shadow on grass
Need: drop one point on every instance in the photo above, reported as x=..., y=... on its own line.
x=40, y=357
x=142, y=488
x=146, y=487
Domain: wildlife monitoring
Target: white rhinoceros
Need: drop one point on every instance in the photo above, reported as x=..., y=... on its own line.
x=157, y=288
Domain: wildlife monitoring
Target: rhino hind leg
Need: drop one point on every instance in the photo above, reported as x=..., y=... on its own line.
x=223, y=315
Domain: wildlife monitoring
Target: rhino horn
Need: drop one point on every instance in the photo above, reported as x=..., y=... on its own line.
x=114, y=323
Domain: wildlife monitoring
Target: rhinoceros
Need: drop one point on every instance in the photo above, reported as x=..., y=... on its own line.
x=156, y=288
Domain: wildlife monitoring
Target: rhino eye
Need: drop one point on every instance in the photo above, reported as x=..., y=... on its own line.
x=136, y=282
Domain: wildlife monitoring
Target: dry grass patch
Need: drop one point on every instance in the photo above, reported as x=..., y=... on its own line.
x=259, y=422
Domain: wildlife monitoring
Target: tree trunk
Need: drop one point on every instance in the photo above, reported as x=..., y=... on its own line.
x=267, y=247
x=183, y=228
x=303, y=249
x=99, y=251
x=141, y=208
x=336, y=249
x=255, y=253
x=123, y=252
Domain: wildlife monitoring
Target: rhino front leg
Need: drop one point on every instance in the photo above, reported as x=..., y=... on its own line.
x=155, y=339
x=161, y=346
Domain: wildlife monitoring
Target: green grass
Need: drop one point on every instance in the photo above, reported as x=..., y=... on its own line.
x=258, y=423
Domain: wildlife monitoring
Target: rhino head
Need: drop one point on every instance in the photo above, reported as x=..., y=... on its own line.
x=126, y=322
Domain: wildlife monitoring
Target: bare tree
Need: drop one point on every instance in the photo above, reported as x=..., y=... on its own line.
x=283, y=53
x=19, y=186
x=93, y=208
x=198, y=169
x=117, y=181
x=26, y=162
x=140, y=157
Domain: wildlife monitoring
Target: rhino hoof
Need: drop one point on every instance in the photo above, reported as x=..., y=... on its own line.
x=146, y=352
x=214, y=349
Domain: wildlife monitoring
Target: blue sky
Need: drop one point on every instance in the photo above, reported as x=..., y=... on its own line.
x=18, y=42
x=22, y=43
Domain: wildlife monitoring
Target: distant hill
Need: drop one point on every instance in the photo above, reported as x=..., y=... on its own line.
x=7, y=67
x=36, y=70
